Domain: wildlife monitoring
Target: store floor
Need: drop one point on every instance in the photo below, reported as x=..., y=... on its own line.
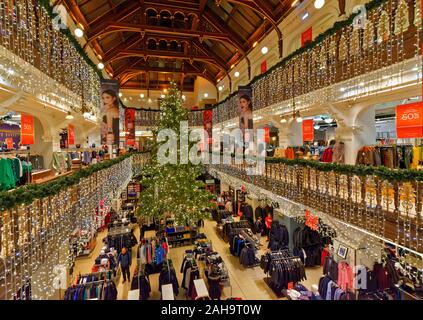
x=246, y=283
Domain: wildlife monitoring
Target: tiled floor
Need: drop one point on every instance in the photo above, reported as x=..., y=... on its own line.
x=246, y=283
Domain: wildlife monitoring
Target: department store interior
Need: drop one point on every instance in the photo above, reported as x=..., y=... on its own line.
x=331, y=91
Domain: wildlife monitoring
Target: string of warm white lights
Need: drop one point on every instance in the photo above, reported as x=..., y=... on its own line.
x=373, y=42
x=60, y=66
x=34, y=238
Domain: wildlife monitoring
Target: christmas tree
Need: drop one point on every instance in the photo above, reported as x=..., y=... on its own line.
x=173, y=189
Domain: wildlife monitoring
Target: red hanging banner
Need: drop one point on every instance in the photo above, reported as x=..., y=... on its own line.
x=308, y=130
x=130, y=127
x=27, y=129
x=71, y=135
x=306, y=37
x=409, y=120
x=263, y=66
x=267, y=134
x=208, y=124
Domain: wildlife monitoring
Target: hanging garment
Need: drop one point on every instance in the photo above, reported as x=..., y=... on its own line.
x=258, y=212
x=194, y=274
x=345, y=276
x=168, y=276
x=215, y=291
x=7, y=177
x=327, y=154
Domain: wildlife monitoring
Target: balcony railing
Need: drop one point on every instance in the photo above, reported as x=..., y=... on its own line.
x=388, y=33
x=387, y=203
x=36, y=222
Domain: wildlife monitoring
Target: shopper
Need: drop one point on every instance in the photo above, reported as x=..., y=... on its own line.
x=259, y=227
x=268, y=223
x=125, y=260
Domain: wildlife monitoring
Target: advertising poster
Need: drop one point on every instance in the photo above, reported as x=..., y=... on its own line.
x=245, y=109
x=27, y=129
x=109, y=112
x=130, y=127
x=409, y=120
x=10, y=134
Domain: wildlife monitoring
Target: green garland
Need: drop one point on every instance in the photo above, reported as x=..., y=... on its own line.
x=28, y=193
x=358, y=170
x=46, y=5
x=336, y=27
x=384, y=173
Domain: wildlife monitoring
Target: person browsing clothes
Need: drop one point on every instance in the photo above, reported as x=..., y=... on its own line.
x=125, y=261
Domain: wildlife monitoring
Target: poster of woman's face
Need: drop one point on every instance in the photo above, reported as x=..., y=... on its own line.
x=110, y=112
x=245, y=109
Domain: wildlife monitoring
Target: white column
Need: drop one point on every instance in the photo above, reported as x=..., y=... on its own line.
x=356, y=128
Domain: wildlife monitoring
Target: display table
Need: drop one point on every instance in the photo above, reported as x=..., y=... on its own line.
x=134, y=294
x=47, y=176
x=167, y=292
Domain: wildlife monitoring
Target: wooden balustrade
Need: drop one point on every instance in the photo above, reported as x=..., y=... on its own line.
x=33, y=235
x=389, y=209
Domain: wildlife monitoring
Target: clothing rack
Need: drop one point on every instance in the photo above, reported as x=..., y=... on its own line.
x=281, y=269
x=26, y=153
x=99, y=273
x=281, y=254
x=250, y=239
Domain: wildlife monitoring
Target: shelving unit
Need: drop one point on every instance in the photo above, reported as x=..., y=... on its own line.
x=178, y=239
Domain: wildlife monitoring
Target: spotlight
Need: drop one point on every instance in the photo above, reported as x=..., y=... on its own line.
x=264, y=50
x=69, y=116
x=79, y=33
x=318, y=4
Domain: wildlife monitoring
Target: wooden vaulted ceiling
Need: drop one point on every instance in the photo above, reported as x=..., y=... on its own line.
x=144, y=44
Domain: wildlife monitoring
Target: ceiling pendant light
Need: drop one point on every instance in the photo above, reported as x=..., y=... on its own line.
x=100, y=66
x=142, y=95
x=79, y=33
x=318, y=4
x=264, y=50
x=283, y=120
x=299, y=119
x=69, y=116
x=236, y=74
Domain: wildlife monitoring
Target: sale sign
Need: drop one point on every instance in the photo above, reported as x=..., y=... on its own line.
x=311, y=221
x=307, y=37
x=71, y=135
x=27, y=129
x=409, y=120
x=308, y=130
